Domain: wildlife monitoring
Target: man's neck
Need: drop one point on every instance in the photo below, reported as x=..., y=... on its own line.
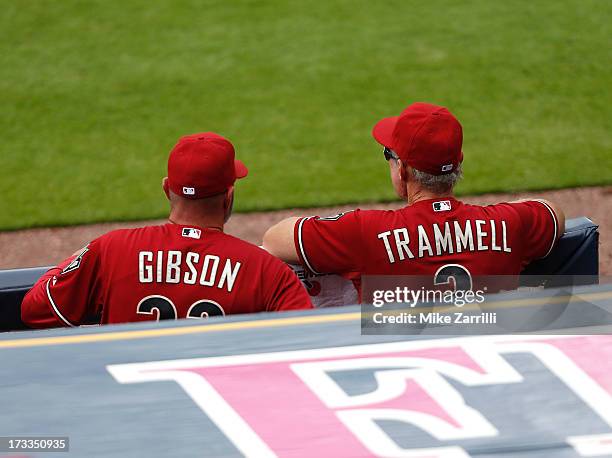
x=198, y=221
x=419, y=194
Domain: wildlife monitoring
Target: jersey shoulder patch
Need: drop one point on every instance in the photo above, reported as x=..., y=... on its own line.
x=333, y=217
x=76, y=262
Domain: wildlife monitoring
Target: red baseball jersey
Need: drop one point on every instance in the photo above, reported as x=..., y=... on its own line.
x=162, y=272
x=423, y=238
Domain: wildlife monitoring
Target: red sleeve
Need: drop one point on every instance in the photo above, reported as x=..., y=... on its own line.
x=331, y=244
x=66, y=295
x=539, y=224
x=286, y=290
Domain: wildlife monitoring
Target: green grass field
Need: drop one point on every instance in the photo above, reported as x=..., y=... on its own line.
x=95, y=93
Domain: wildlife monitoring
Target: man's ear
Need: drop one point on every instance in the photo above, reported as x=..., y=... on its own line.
x=229, y=198
x=165, y=187
x=403, y=173
x=228, y=203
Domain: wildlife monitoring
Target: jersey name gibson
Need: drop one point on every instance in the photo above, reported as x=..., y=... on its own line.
x=163, y=272
x=189, y=268
x=449, y=237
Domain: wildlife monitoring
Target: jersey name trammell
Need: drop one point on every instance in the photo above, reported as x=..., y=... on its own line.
x=191, y=268
x=428, y=238
x=449, y=237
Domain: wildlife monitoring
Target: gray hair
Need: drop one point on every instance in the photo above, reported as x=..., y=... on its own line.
x=438, y=184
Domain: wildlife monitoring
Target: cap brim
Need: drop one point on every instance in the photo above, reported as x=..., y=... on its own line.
x=383, y=131
x=240, y=168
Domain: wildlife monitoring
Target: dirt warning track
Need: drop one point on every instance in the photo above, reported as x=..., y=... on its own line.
x=47, y=246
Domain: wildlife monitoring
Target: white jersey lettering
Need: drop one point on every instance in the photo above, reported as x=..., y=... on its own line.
x=401, y=241
x=145, y=271
x=174, y=267
x=444, y=244
x=480, y=235
x=451, y=238
x=424, y=244
x=384, y=236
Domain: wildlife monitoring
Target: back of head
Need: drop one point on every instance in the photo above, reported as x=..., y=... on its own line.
x=427, y=139
x=202, y=170
x=437, y=184
x=203, y=165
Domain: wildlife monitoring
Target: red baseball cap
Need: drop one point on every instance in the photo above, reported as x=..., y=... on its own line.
x=427, y=137
x=202, y=165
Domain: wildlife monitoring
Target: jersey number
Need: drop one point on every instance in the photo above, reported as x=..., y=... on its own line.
x=164, y=308
x=457, y=273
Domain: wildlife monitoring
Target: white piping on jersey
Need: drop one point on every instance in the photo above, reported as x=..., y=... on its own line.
x=55, y=307
x=301, y=243
x=554, y=217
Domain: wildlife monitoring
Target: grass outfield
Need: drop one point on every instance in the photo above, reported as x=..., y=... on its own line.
x=95, y=93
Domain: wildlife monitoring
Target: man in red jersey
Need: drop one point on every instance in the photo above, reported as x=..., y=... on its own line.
x=187, y=268
x=435, y=234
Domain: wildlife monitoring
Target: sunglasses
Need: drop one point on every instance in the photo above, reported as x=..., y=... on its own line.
x=390, y=154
